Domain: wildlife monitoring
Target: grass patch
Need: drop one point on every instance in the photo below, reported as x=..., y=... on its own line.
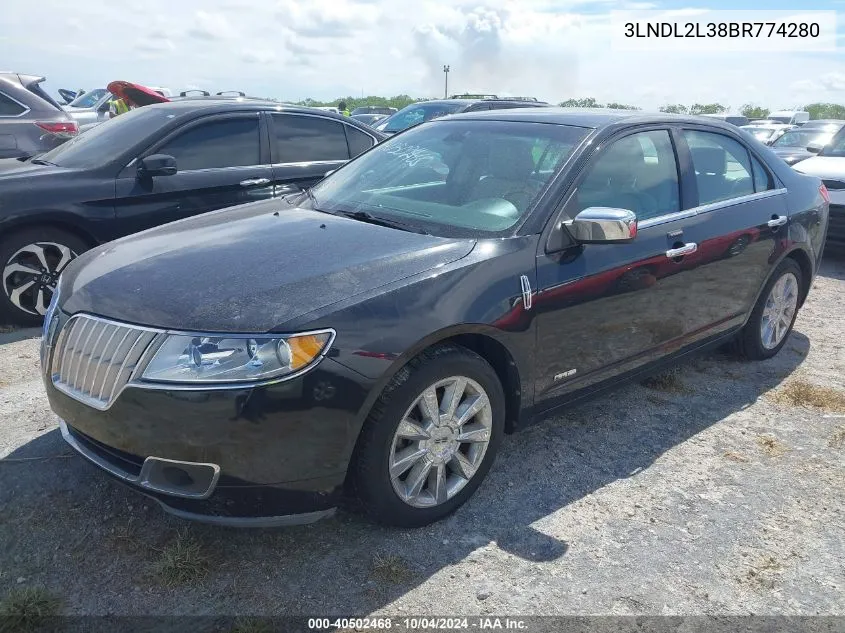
x=181, y=562
x=801, y=393
x=24, y=608
x=736, y=457
x=771, y=446
x=669, y=381
x=837, y=440
x=390, y=568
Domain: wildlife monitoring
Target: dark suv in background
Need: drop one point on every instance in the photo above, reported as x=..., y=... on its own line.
x=423, y=111
x=151, y=166
x=31, y=122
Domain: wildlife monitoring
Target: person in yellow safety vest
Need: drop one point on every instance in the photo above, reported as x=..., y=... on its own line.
x=117, y=107
x=341, y=107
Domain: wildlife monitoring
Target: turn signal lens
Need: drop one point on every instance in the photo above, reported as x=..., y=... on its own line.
x=304, y=349
x=825, y=194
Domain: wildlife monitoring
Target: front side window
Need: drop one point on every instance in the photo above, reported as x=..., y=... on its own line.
x=88, y=99
x=216, y=144
x=762, y=179
x=457, y=178
x=836, y=147
x=304, y=139
x=722, y=166
x=10, y=107
x=638, y=173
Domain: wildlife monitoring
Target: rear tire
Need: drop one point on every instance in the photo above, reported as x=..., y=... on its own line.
x=773, y=316
x=422, y=472
x=30, y=263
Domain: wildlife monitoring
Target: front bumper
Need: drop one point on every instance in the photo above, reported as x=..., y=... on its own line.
x=260, y=456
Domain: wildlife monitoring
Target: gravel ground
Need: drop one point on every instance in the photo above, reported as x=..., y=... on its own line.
x=706, y=492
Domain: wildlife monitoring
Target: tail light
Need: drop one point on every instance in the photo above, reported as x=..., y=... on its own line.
x=64, y=129
x=824, y=192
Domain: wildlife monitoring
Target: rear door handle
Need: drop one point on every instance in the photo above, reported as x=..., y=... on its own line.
x=255, y=182
x=777, y=220
x=686, y=249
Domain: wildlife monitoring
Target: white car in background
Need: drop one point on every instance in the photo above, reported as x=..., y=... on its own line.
x=766, y=132
x=829, y=165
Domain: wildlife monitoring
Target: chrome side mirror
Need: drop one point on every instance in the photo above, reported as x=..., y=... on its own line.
x=815, y=148
x=603, y=225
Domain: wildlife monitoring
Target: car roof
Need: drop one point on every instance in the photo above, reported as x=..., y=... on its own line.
x=188, y=105
x=588, y=117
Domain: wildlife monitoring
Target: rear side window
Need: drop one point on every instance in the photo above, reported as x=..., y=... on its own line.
x=216, y=144
x=9, y=107
x=722, y=166
x=762, y=179
x=357, y=140
x=303, y=139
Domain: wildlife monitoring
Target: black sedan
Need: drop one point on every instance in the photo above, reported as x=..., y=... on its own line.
x=151, y=166
x=380, y=333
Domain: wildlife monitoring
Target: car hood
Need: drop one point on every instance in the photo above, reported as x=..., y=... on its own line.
x=247, y=269
x=13, y=168
x=823, y=167
x=792, y=154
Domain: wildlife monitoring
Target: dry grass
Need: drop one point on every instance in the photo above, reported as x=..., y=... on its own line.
x=837, y=439
x=181, y=562
x=669, y=381
x=736, y=457
x=764, y=572
x=800, y=393
x=390, y=568
x=23, y=609
x=771, y=446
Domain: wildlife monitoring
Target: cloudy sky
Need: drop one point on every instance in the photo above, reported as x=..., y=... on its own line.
x=292, y=49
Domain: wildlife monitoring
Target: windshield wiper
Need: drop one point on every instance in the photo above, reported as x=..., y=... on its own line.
x=40, y=161
x=364, y=216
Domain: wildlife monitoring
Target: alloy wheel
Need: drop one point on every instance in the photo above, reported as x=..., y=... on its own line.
x=30, y=275
x=440, y=442
x=779, y=311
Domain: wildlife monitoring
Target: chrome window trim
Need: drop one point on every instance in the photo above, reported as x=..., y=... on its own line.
x=707, y=208
x=26, y=108
x=136, y=380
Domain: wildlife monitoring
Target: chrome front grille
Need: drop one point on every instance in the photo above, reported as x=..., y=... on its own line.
x=94, y=358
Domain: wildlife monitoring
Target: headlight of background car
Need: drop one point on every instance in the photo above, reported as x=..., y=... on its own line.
x=221, y=359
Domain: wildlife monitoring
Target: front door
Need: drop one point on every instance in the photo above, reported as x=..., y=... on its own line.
x=221, y=161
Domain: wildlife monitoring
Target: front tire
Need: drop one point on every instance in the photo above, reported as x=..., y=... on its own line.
x=773, y=316
x=31, y=261
x=430, y=439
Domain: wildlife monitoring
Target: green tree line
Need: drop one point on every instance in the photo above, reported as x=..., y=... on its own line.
x=750, y=110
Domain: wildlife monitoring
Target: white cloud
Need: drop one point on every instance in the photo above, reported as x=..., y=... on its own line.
x=291, y=49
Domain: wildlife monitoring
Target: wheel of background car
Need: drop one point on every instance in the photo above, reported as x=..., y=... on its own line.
x=774, y=314
x=430, y=439
x=31, y=261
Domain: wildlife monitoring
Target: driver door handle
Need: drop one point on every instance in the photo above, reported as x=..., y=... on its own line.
x=776, y=221
x=686, y=249
x=255, y=182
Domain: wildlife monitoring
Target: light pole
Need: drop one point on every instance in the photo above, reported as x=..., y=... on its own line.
x=446, y=87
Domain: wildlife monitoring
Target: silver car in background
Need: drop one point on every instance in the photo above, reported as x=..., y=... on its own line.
x=90, y=107
x=31, y=121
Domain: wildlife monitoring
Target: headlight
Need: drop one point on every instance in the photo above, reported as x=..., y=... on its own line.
x=234, y=358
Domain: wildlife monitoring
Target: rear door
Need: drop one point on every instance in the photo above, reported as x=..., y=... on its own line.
x=740, y=214
x=222, y=161
x=305, y=147
x=12, y=123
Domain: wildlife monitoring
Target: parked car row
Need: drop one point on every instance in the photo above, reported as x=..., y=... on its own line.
x=378, y=333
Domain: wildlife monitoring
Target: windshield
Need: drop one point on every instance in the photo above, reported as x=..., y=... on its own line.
x=416, y=114
x=454, y=178
x=802, y=138
x=760, y=133
x=89, y=99
x=101, y=144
